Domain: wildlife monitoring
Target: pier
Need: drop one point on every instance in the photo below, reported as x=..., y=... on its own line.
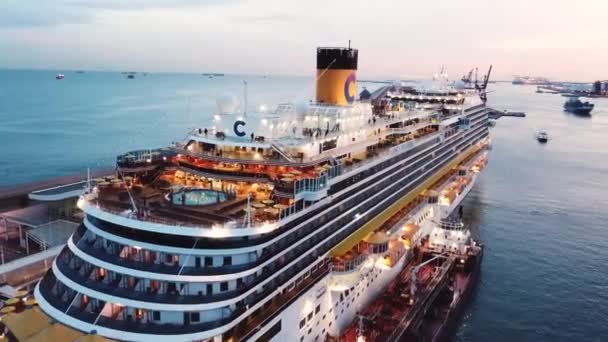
x=35, y=221
x=18, y=196
x=497, y=114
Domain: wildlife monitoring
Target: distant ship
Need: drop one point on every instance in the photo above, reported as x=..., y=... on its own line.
x=527, y=80
x=79, y=71
x=59, y=77
x=212, y=75
x=576, y=106
x=131, y=76
x=542, y=137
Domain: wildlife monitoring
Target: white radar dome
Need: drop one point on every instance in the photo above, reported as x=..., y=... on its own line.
x=227, y=103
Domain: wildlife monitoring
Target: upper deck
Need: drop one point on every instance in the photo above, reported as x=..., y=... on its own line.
x=270, y=193
x=269, y=177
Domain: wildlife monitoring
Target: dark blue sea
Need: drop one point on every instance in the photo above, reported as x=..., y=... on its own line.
x=542, y=210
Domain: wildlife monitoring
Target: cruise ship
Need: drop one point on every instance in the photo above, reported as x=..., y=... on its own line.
x=528, y=80
x=271, y=226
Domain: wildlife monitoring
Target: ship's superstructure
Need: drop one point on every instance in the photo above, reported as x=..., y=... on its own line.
x=270, y=225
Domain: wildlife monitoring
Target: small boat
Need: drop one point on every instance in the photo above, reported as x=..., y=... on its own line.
x=542, y=137
x=59, y=77
x=576, y=106
x=131, y=76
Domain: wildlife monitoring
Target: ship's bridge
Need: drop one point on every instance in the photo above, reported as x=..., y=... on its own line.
x=295, y=131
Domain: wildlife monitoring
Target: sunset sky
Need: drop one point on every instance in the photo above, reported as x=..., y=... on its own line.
x=563, y=40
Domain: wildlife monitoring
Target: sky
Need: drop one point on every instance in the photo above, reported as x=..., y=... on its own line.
x=563, y=40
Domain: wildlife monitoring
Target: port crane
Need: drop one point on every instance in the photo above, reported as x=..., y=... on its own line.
x=468, y=79
x=483, y=94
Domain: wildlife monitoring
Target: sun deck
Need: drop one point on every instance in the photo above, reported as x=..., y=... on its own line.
x=266, y=191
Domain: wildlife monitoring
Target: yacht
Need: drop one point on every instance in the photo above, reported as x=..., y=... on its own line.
x=270, y=226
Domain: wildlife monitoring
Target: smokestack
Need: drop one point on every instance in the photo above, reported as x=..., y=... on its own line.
x=336, y=75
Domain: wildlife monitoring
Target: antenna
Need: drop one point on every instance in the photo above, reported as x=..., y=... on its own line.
x=349, y=44
x=87, y=187
x=248, y=216
x=245, y=98
x=128, y=192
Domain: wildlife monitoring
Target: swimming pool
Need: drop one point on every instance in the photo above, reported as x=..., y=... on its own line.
x=197, y=197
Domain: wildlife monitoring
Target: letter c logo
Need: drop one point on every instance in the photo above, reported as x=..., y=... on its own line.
x=350, y=80
x=237, y=124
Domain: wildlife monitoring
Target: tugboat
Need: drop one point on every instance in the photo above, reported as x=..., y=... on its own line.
x=542, y=137
x=59, y=77
x=576, y=106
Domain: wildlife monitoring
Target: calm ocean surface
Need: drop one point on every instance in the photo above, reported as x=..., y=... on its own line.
x=542, y=210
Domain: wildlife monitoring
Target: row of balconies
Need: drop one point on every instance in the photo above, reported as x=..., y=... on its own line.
x=397, y=180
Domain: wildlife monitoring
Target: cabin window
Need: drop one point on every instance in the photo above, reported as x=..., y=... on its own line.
x=224, y=286
x=195, y=317
x=208, y=261
x=227, y=261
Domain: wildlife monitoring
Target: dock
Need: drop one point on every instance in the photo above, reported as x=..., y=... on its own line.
x=36, y=219
x=497, y=114
x=18, y=196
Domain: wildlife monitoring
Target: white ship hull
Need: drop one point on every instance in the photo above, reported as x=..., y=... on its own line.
x=336, y=310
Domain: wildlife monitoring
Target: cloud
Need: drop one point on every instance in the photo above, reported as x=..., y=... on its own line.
x=28, y=13
x=268, y=18
x=119, y=5
x=37, y=13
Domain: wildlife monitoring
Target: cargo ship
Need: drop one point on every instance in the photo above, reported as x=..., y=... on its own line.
x=575, y=106
x=274, y=226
